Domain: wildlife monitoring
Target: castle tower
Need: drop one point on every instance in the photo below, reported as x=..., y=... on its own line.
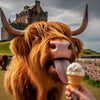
x=37, y=3
x=30, y=14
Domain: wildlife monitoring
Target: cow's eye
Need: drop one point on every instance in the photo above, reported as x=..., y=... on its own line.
x=33, y=37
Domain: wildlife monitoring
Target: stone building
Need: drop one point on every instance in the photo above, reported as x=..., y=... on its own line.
x=29, y=15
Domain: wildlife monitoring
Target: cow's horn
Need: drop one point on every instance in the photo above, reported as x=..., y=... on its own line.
x=8, y=28
x=83, y=26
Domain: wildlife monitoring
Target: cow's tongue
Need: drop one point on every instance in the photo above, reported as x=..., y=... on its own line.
x=61, y=68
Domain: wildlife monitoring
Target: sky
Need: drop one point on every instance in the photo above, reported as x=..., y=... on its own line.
x=69, y=12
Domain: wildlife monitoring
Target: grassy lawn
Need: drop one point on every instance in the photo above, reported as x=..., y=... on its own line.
x=88, y=52
x=4, y=96
x=95, y=91
x=4, y=48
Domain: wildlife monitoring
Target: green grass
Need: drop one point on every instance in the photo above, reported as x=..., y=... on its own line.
x=86, y=78
x=92, y=82
x=4, y=48
x=88, y=52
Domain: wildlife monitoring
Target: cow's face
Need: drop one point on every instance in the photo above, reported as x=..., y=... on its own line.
x=44, y=43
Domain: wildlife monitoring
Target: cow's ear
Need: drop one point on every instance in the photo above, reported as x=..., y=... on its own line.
x=20, y=47
x=78, y=46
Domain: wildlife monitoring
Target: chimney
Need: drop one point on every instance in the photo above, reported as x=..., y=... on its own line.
x=37, y=3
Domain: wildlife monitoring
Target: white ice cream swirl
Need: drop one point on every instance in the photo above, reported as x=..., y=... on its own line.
x=75, y=69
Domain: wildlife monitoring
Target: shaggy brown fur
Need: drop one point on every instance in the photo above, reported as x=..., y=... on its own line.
x=29, y=77
x=3, y=61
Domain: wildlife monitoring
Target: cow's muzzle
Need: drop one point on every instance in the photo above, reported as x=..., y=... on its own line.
x=60, y=49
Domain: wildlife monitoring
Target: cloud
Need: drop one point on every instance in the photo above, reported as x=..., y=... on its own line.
x=63, y=15
x=78, y=5
x=92, y=32
x=94, y=45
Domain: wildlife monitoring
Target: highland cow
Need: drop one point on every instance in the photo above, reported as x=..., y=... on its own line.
x=40, y=53
x=3, y=61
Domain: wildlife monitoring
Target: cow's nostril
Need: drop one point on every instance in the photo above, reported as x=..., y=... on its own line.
x=52, y=45
x=69, y=46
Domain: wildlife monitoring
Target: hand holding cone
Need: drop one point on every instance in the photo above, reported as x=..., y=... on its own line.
x=75, y=74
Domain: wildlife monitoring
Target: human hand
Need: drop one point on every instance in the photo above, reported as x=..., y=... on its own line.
x=82, y=94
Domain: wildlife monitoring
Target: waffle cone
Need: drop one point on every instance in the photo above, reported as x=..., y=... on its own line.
x=74, y=81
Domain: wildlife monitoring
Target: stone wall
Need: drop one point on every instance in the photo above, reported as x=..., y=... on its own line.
x=91, y=67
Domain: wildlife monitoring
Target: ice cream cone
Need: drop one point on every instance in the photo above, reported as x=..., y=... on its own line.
x=75, y=74
x=74, y=81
